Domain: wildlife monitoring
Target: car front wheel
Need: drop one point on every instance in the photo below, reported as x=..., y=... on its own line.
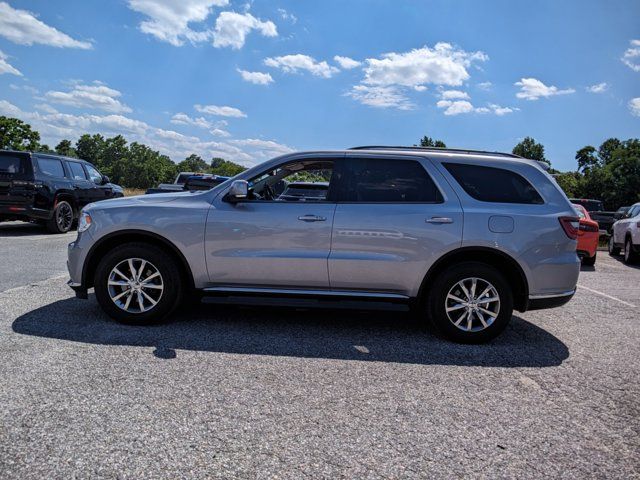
x=470, y=303
x=629, y=254
x=613, y=250
x=138, y=284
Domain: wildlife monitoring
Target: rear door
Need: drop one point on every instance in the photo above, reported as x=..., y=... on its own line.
x=395, y=217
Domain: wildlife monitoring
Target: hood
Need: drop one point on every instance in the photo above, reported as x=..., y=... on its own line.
x=156, y=198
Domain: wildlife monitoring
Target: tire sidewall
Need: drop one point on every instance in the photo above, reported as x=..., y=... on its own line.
x=446, y=280
x=171, y=296
x=52, y=225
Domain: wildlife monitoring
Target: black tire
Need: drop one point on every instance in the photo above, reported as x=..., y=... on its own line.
x=590, y=261
x=445, y=281
x=160, y=260
x=62, y=219
x=613, y=250
x=630, y=256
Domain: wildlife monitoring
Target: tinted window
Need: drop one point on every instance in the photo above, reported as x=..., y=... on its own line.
x=388, y=180
x=489, y=184
x=77, y=172
x=11, y=164
x=94, y=174
x=51, y=166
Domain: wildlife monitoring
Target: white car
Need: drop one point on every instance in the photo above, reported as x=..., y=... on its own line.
x=626, y=235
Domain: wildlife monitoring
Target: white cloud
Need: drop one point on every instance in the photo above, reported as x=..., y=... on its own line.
x=45, y=107
x=533, y=89
x=287, y=16
x=169, y=19
x=95, y=96
x=346, y=63
x=380, y=97
x=598, y=88
x=634, y=106
x=294, y=63
x=441, y=65
x=455, y=107
x=258, y=78
x=22, y=27
x=454, y=95
x=220, y=111
x=485, y=86
x=5, y=67
x=54, y=126
x=420, y=88
x=500, y=111
x=631, y=57
x=184, y=119
x=232, y=29
x=219, y=132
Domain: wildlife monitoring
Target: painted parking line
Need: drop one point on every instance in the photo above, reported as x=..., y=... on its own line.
x=607, y=296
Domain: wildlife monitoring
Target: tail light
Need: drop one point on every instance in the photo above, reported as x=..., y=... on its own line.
x=585, y=227
x=570, y=225
x=23, y=183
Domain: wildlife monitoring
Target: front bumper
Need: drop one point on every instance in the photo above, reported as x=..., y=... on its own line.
x=76, y=255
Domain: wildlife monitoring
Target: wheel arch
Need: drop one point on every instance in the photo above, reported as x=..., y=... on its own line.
x=490, y=256
x=112, y=240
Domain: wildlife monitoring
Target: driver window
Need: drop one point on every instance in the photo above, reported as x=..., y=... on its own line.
x=298, y=181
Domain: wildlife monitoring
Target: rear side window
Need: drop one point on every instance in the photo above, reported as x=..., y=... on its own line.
x=51, y=166
x=375, y=180
x=77, y=172
x=12, y=164
x=490, y=184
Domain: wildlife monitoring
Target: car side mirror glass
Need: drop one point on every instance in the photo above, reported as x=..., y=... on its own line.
x=105, y=180
x=238, y=191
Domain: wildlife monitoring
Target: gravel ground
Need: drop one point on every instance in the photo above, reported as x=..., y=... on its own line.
x=229, y=392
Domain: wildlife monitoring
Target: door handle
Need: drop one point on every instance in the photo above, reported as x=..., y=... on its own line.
x=311, y=218
x=439, y=220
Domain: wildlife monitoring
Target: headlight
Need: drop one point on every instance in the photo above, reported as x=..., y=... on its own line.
x=84, y=222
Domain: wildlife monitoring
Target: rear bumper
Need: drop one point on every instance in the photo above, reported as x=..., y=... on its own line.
x=539, y=302
x=21, y=210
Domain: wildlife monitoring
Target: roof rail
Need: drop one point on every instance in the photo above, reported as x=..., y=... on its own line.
x=434, y=149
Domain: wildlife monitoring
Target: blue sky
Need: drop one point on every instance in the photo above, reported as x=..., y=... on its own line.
x=250, y=80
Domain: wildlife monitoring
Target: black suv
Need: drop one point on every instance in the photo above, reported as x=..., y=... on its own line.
x=50, y=189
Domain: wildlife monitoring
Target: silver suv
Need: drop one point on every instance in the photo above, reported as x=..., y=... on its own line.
x=464, y=237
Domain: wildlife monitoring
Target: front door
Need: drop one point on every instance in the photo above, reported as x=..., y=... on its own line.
x=269, y=241
x=394, y=219
x=83, y=187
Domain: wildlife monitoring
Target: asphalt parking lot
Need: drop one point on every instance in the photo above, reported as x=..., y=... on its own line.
x=230, y=392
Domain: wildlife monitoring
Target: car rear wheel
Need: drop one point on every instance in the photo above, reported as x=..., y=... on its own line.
x=629, y=255
x=590, y=261
x=62, y=219
x=470, y=303
x=138, y=284
x=613, y=250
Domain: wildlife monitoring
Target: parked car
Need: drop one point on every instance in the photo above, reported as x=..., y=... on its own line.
x=597, y=212
x=305, y=192
x=626, y=235
x=203, y=182
x=465, y=237
x=620, y=213
x=588, y=237
x=176, y=186
x=50, y=189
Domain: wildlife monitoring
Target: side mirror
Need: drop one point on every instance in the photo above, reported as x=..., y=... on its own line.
x=105, y=180
x=238, y=191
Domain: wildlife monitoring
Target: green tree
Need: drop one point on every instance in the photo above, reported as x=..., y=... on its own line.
x=220, y=166
x=587, y=158
x=607, y=149
x=17, y=135
x=114, y=150
x=142, y=167
x=65, y=148
x=430, y=142
x=44, y=148
x=193, y=163
x=529, y=148
x=569, y=182
x=90, y=148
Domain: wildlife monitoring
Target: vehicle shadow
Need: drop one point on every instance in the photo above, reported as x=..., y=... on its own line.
x=21, y=229
x=620, y=259
x=334, y=334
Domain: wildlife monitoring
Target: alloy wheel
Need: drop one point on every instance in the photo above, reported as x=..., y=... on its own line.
x=64, y=217
x=472, y=304
x=135, y=285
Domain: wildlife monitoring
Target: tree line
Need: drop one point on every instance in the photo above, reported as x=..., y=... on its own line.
x=132, y=165
x=610, y=173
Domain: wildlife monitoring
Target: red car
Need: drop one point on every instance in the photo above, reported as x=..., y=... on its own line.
x=588, y=235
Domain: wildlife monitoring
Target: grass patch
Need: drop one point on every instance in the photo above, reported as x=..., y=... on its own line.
x=130, y=192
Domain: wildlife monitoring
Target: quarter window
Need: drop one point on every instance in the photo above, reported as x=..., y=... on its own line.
x=77, y=172
x=490, y=184
x=51, y=166
x=379, y=180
